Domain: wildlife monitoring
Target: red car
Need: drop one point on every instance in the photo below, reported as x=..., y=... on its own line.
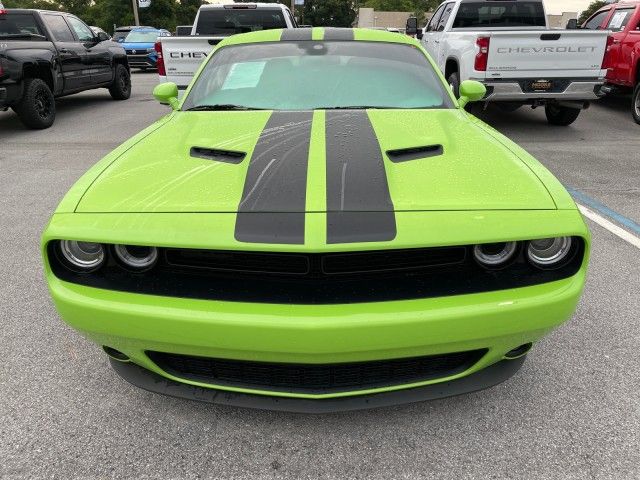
x=623, y=55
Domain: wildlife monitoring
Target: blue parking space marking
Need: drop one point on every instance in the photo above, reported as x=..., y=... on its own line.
x=603, y=209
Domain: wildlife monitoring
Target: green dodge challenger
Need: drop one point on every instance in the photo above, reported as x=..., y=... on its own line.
x=318, y=225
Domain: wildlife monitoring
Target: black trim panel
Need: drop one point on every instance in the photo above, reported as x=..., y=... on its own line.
x=316, y=279
x=414, y=153
x=315, y=378
x=272, y=208
x=152, y=382
x=296, y=34
x=332, y=33
x=359, y=206
x=225, y=156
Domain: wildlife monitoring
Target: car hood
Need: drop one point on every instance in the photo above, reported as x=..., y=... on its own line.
x=341, y=160
x=137, y=45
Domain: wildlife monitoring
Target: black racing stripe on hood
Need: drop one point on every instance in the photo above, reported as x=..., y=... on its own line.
x=272, y=208
x=359, y=206
x=296, y=34
x=338, y=34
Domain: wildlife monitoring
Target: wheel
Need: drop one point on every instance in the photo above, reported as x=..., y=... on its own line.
x=37, y=107
x=120, y=89
x=561, y=116
x=454, y=81
x=635, y=107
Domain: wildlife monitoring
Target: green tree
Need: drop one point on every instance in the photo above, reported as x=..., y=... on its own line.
x=328, y=13
x=591, y=9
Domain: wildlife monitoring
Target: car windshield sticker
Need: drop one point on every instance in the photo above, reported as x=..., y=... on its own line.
x=244, y=75
x=616, y=21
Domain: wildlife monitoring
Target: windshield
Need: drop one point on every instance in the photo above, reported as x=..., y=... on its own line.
x=224, y=21
x=318, y=75
x=142, y=37
x=500, y=14
x=20, y=24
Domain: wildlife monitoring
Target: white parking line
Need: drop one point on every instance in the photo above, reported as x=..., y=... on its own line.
x=613, y=228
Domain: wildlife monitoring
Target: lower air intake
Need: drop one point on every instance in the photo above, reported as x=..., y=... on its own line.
x=312, y=378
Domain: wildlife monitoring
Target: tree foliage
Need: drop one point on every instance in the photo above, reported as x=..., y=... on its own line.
x=107, y=13
x=591, y=9
x=328, y=13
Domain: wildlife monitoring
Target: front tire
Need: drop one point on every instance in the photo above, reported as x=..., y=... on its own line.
x=37, y=107
x=561, y=116
x=120, y=89
x=635, y=105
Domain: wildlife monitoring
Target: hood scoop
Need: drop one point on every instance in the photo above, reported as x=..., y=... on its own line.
x=414, y=153
x=225, y=156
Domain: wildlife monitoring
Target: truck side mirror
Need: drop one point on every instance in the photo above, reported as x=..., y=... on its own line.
x=103, y=37
x=572, y=24
x=412, y=26
x=471, y=91
x=167, y=94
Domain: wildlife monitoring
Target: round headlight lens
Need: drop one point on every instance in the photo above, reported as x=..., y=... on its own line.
x=549, y=252
x=85, y=256
x=138, y=258
x=494, y=255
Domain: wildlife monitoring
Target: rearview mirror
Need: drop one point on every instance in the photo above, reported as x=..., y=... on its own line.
x=412, y=26
x=572, y=24
x=471, y=91
x=167, y=94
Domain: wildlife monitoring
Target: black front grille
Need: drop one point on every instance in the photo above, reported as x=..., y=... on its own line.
x=311, y=378
x=316, y=278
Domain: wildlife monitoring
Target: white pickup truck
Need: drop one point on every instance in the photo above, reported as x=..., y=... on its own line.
x=179, y=58
x=507, y=45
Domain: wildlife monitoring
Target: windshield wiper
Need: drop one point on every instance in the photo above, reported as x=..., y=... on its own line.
x=357, y=107
x=220, y=108
x=22, y=35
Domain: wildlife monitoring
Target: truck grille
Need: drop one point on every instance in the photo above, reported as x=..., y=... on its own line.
x=312, y=378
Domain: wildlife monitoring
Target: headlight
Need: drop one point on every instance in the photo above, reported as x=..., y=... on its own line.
x=494, y=255
x=83, y=256
x=137, y=258
x=549, y=252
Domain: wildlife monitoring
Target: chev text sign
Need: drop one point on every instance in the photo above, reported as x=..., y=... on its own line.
x=534, y=50
x=195, y=55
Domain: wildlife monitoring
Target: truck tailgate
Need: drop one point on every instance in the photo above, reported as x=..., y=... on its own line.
x=183, y=56
x=547, y=53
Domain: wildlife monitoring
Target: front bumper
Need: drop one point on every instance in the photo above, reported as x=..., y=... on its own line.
x=481, y=380
x=513, y=91
x=142, y=61
x=497, y=321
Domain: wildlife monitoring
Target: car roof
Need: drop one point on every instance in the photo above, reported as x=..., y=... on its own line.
x=319, y=34
x=240, y=6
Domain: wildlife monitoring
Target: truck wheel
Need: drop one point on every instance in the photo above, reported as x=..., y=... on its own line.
x=454, y=81
x=561, y=116
x=120, y=89
x=37, y=107
x=636, y=104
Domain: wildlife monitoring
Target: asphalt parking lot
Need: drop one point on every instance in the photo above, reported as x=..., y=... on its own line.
x=573, y=411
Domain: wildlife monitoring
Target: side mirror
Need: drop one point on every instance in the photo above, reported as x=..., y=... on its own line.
x=167, y=94
x=412, y=26
x=572, y=24
x=102, y=37
x=471, y=91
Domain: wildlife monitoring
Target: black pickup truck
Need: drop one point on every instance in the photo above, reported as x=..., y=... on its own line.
x=47, y=54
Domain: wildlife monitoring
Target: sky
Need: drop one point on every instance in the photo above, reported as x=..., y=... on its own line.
x=559, y=6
